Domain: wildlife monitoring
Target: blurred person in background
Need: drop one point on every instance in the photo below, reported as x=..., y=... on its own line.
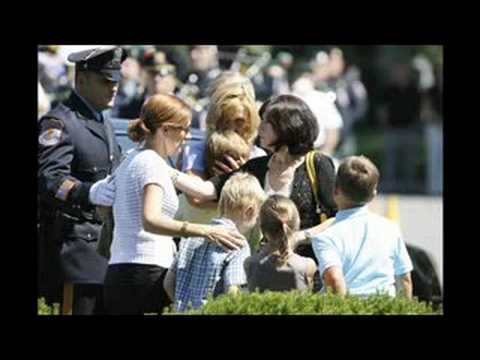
x=43, y=102
x=154, y=75
x=52, y=73
x=432, y=115
x=204, y=67
x=159, y=75
x=320, y=68
x=129, y=97
x=274, y=80
x=322, y=104
x=351, y=99
x=399, y=113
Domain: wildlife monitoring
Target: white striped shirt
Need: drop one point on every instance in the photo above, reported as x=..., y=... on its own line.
x=131, y=243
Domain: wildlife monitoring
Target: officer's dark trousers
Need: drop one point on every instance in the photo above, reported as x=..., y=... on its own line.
x=87, y=299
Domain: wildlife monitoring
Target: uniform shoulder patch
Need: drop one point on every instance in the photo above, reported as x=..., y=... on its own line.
x=50, y=137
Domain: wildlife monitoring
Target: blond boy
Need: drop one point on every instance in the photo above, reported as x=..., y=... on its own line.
x=200, y=268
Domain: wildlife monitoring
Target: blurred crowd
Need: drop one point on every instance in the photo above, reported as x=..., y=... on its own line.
x=409, y=110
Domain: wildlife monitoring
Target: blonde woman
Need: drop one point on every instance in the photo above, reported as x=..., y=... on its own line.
x=232, y=107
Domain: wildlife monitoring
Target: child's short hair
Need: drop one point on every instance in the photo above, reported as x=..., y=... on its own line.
x=358, y=177
x=239, y=192
x=221, y=143
x=279, y=219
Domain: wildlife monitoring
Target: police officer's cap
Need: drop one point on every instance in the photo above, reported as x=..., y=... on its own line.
x=105, y=60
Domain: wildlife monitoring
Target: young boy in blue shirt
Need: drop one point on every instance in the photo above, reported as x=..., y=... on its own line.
x=201, y=268
x=361, y=253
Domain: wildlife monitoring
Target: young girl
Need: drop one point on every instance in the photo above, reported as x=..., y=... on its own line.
x=276, y=267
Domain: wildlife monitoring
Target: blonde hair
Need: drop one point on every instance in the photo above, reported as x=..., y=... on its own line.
x=239, y=192
x=222, y=143
x=279, y=219
x=159, y=110
x=230, y=93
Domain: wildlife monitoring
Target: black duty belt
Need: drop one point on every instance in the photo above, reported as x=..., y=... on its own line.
x=76, y=214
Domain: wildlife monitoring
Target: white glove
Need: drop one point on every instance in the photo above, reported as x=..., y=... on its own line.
x=103, y=192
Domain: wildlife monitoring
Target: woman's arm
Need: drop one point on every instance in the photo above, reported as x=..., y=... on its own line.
x=304, y=236
x=154, y=221
x=195, y=202
x=193, y=185
x=221, y=171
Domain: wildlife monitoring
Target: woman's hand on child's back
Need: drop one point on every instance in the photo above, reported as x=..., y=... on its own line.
x=228, y=239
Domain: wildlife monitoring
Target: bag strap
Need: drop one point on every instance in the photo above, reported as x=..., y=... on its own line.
x=312, y=174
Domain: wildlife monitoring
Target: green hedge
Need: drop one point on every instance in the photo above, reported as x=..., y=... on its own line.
x=301, y=303
x=296, y=303
x=44, y=309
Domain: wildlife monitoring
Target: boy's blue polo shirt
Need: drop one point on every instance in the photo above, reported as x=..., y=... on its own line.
x=367, y=247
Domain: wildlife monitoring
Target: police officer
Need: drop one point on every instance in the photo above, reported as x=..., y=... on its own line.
x=77, y=148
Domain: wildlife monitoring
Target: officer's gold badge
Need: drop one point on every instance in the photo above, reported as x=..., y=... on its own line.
x=50, y=137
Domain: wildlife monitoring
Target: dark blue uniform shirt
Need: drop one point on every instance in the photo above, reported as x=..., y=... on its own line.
x=77, y=147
